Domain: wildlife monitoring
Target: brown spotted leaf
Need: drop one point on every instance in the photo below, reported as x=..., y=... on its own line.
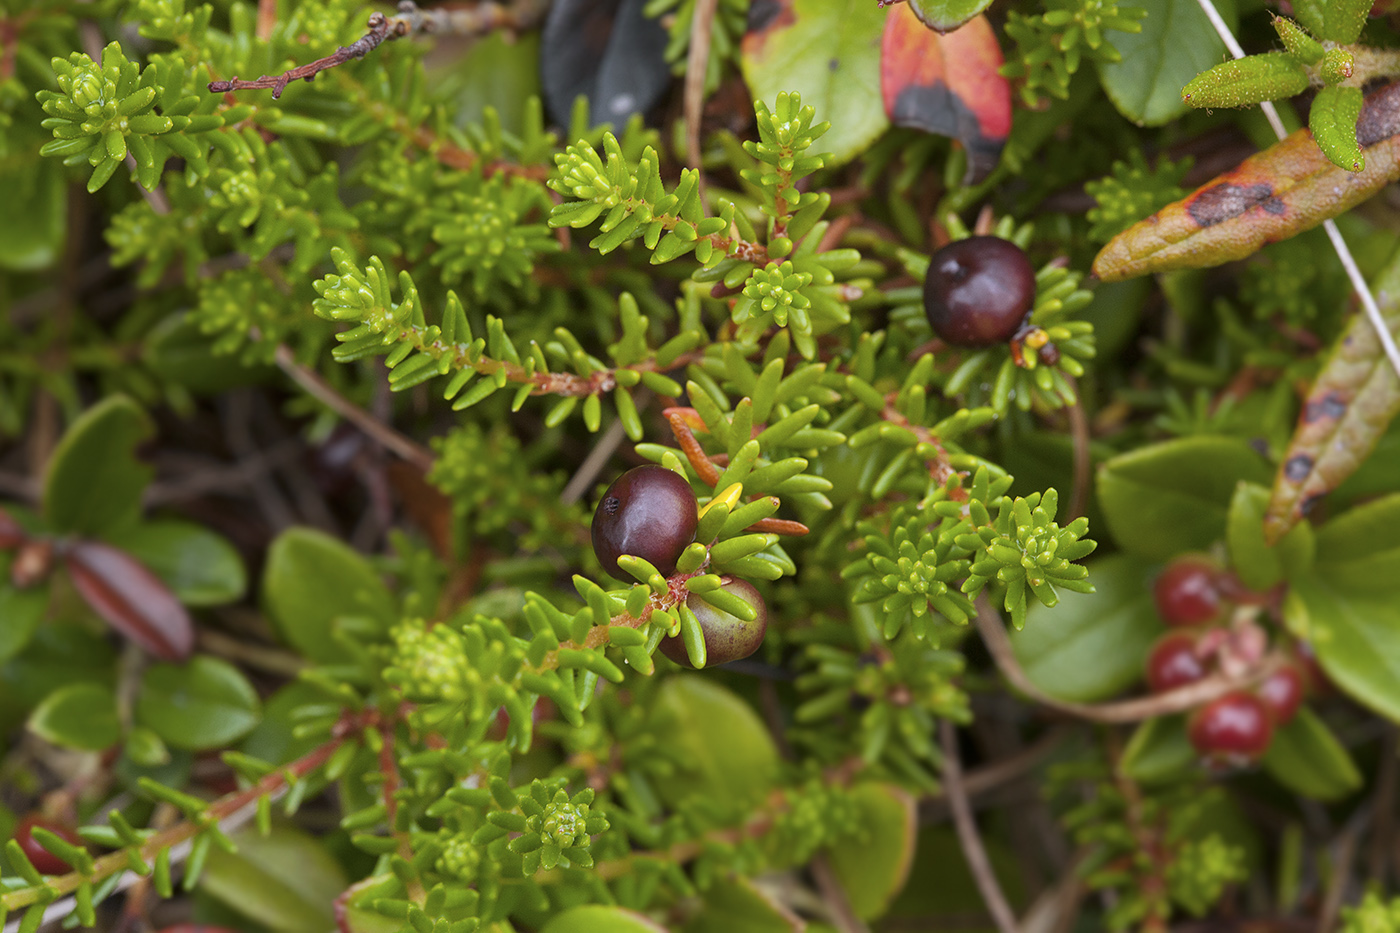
x=1346, y=412
x=131, y=599
x=1273, y=195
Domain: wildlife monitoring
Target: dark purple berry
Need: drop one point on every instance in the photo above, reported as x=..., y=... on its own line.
x=978, y=291
x=1234, y=729
x=727, y=638
x=648, y=512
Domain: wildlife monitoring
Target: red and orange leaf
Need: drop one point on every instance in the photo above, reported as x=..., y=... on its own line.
x=1351, y=403
x=947, y=84
x=1273, y=195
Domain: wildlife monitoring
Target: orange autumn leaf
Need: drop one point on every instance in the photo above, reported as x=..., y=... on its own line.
x=1273, y=195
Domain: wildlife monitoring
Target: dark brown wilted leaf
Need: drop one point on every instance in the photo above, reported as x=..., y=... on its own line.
x=131, y=599
x=1273, y=195
x=606, y=50
x=1346, y=412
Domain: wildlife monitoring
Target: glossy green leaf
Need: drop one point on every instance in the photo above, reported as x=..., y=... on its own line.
x=596, y=918
x=1158, y=751
x=1356, y=637
x=286, y=881
x=1307, y=758
x=1171, y=497
x=1351, y=403
x=1359, y=550
x=36, y=219
x=737, y=905
x=200, y=567
x=21, y=611
x=947, y=15
x=874, y=866
x=310, y=581
x=829, y=52
x=1176, y=44
x=59, y=654
x=1092, y=645
x=82, y=716
x=206, y=703
x=1258, y=565
x=94, y=481
x=726, y=752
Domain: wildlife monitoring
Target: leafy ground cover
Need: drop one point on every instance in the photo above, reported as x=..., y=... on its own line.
x=697, y=465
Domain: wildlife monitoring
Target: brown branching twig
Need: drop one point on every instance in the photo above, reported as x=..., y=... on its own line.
x=966, y=825
x=993, y=631
x=478, y=20
x=381, y=28
x=321, y=390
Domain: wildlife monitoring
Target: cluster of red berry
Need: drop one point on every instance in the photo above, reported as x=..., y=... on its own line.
x=1198, y=600
x=651, y=512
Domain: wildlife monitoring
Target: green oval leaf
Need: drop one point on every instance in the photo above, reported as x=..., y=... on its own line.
x=94, y=481
x=82, y=716
x=726, y=753
x=1177, y=43
x=1158, y=751
x=737, y=905
x=1332, y=120
x=874, y=866
x=1172, y=497
x=947, y=15
x=829, y=52
x=596, y=918
x=1359, y=550
x=200, y=567
x=1307, y=758
x=1258, y=565
x=1356, y=637
x=37, y=216
x=1092, y=645
x=206, y=703
x=286, y=880
x=21, y=611
x=313, y=579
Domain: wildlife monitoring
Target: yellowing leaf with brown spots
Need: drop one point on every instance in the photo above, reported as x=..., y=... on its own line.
x=1273, y=195
x=1345, y=414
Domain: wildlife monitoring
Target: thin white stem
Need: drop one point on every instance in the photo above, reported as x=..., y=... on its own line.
x=1358, y=282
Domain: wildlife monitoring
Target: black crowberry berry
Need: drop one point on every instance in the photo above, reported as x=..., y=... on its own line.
x=978, y=291
x=727, y=638
x=648, y=512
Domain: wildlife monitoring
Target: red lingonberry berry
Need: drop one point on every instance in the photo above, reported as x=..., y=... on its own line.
x=42, y=859
x=1174, y=662
x=648, y=512
x=1186, y=592
x=1233, y=729
x=1282, y=692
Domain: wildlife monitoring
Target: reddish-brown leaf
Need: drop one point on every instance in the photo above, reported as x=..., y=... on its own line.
x=131, y=599
x=12, y=535
x=947, y=84
x=1273, y=195
x=1349, y=407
